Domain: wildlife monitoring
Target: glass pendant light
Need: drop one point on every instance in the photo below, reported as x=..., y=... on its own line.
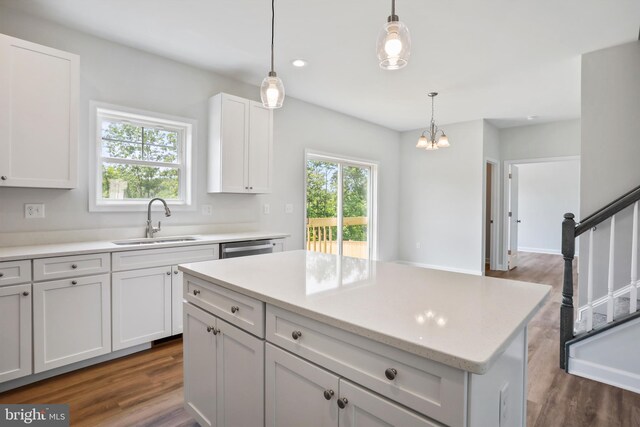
x=394, y=42
x=429, y=139
x=272, y=89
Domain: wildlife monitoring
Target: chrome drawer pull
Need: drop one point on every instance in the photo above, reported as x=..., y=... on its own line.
x=74, y=266
x=25, y=293
x=328, y=394
x=196, y=292
x=235, y=309
x=296, y=335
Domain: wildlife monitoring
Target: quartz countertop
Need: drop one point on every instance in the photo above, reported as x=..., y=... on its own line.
x=13, y=253
x=460, y=320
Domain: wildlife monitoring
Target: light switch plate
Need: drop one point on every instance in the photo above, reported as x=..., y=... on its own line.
x=266, y=209
x=288, y=208
x=34, y=210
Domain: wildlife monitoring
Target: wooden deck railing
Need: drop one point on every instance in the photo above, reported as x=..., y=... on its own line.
x=320, y=237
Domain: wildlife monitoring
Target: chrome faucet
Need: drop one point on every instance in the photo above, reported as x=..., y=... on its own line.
x=151, y=230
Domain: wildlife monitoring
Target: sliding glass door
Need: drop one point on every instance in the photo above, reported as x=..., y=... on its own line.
x=339, y=206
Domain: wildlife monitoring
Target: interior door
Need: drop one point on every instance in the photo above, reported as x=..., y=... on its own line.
x=513, y=217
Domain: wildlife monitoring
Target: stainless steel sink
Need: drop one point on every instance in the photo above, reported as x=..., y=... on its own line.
x=155, y=240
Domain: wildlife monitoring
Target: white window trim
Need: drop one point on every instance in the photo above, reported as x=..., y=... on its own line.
x=373, y=188
x=187, y=175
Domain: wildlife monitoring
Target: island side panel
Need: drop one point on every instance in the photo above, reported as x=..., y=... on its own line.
x=499, y=397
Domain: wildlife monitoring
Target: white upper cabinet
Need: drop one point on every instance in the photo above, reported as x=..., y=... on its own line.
x=240, y=145
x=38, y=115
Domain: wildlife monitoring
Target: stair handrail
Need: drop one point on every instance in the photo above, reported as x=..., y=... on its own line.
x=571, y=230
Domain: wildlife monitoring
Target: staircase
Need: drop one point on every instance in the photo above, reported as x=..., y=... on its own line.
x=601, y=339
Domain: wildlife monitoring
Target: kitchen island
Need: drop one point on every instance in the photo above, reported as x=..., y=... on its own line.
x=301, y=338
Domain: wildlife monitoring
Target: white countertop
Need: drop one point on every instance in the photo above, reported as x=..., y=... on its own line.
x=13, y=253
x=457, y=319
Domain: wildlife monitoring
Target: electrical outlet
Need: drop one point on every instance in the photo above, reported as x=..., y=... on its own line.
x=288, y=208
x=504, y=404
x=34, y=210
x=266, y=209
x=207, y=210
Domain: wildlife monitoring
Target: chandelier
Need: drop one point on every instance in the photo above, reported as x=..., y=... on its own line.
x=429, y=139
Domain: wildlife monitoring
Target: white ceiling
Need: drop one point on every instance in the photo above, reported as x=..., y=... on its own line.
x=498, y=59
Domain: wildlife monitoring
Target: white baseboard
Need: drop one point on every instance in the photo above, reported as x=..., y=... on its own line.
x=440, y=267
x=542, y=250
x=604, y=374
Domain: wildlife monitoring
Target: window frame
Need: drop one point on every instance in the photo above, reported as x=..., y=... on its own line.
x=186, y=152
x=343, y=161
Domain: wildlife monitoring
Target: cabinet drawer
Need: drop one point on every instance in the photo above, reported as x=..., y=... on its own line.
x=70, y=266
x=240, y=310
x=14, y=272
x=145, y=258
x=428, y=387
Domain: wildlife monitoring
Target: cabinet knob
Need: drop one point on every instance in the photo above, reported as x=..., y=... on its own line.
x=215, y=331
x=342, y=403
x=25, y=293
x=175, y=272
x=196, y=292
x=235, y=309
x=1, y=274
x=74, y=266
x=74, y=282
x=209, y=328
x=391, y=373
x=168, y=273
x=328, y=394
x=3, y=177
x=296, y=334
x=250, y=188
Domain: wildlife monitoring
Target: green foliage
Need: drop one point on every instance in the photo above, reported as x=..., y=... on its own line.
x=128, y=141
x=322, y=196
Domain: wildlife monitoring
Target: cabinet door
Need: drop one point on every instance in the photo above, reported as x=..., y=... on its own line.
x=177, y=301
x=240, y=377
x=200, y=365
x=15, y=332
x=363, y=408
x=295, y=391
x=260, y=148
x=71, y=321
x=234, y=135
x=38, y=115
x=141, y=306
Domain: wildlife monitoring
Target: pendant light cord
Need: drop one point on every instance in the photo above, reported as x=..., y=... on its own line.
x=393, y=7
x=273, y=21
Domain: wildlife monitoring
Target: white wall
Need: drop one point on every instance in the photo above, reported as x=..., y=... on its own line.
x=120, y=75
x=555, y=139
x=441, y=199
x=546, y=192
x=610, y=159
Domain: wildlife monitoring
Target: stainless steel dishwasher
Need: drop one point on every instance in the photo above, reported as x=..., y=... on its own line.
x=253, y=247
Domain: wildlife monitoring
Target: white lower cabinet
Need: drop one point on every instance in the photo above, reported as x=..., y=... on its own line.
x=15, y=332
x=360, y=407
x=71, y=321
x=297, y=392
x=141, y=306
x=224, y=372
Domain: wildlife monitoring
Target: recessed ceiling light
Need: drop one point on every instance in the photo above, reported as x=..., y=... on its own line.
x=532, y=117
x=299, y=63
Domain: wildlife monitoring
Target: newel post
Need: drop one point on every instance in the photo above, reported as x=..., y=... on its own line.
x=566, y=309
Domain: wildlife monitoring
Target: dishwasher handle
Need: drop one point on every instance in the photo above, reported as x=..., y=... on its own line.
x=247, y=248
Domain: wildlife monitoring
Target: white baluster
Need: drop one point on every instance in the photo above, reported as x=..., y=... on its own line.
x=590, y=284
x=633, y=294
x=612, y=238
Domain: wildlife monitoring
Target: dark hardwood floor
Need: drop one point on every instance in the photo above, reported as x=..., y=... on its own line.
x=145, y=389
